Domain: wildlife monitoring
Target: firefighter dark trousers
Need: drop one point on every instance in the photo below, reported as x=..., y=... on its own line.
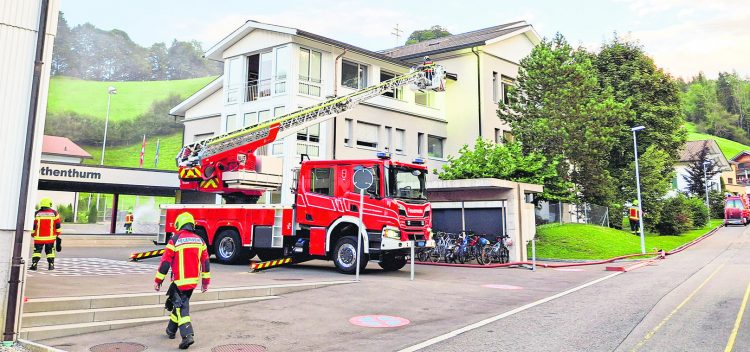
x=180, y=317
x=49, y=249
x=634, y=224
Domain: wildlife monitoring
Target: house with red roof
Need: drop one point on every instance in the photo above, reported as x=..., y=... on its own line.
x=63, y=150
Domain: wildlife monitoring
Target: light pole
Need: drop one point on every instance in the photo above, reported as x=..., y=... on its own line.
x=705, y=184
x=110, y=91
x=638, y=187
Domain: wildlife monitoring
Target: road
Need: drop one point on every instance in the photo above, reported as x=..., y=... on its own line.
x=689, y=302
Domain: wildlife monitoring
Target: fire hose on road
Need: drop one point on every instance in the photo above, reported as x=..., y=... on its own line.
x=654, y=256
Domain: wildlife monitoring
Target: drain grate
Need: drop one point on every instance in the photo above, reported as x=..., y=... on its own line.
x=239, y=348
x=118, y=347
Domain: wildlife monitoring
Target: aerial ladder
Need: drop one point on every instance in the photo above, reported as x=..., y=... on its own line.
x=226, y=164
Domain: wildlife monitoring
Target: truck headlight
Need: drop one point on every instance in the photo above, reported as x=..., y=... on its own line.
x=392, y=233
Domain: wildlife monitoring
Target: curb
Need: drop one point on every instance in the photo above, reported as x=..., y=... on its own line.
x=37, y=347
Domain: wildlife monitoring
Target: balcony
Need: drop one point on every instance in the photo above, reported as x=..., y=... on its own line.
x=256, y=89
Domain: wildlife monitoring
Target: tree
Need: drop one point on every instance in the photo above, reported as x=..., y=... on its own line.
x=427, y=34
x=653, y=100
x=725, y=92
x=558, y=109
x=656, y=173
x=695, y=181
x=507, y=162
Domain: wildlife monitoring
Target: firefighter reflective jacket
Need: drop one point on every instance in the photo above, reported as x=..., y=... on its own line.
x=187, y=255
x=46, y=226
x=633, y=213
x=129, y=218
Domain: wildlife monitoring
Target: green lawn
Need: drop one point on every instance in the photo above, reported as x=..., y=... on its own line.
x=729, y=148
x=132, y=98
x=128, y=156
x=582, y=241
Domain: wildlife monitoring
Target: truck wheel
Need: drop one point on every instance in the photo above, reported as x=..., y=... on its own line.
x=345, y=256
x=229, y=250
x=391, y=262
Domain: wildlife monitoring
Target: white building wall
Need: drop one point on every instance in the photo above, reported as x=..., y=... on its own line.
x=681, y=171
x=61, y=159
x=18, y=32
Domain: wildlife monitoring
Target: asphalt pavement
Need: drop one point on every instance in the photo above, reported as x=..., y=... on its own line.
x=688, y=302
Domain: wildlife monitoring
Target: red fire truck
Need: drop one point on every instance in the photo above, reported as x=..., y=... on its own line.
x=323, y=222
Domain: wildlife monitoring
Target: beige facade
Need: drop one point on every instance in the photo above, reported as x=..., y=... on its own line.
x=271, y=70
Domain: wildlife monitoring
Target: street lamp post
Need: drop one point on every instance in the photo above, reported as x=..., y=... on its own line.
x=705, y=184
x=638, y=187
x=110, y=91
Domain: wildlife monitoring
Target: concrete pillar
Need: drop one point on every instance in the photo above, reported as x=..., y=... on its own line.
x=19, y=28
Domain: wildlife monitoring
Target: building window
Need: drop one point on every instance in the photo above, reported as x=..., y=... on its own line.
x=420, y=143
x=232, y=123
x=498, y=136
x=730, y=181
x=495, y=88
x=278, y=111
x=353, y=75
x=234, y=80
x=508, y=137
x=435, y=146
x=321, y=182
x=398, y=146
x=674, y=182
x=348, y=130
x=507, y=82
x=388, y=138
x=426, y=98
x=309, y=72
x=367, y=135
x=264, y=115
x=281, y=70
x=310, y=134
x=251, y=118
x=397, y=93
x=202, y=136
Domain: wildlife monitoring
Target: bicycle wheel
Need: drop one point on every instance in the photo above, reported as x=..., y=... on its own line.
x=486, y=255
x=504, y=255
x=462, y=255
x=435, y=255
x=423, y=255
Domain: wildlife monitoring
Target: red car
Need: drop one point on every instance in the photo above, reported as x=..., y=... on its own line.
x=736, y=211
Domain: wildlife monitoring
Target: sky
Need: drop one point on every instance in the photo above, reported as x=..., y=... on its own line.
x=682, y=36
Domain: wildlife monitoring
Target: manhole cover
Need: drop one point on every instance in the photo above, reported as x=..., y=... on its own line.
x=379, y=321
x=239, y=348
x=289, y=279
x=118, y=347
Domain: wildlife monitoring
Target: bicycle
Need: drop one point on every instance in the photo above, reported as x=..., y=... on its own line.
x=497, y=252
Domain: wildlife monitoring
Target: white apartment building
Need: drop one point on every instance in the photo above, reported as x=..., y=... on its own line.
x=270, y=70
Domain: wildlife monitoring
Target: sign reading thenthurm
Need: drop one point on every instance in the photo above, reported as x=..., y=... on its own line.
x=71, y=173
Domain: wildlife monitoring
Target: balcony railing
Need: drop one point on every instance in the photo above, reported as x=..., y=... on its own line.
x=258, y=89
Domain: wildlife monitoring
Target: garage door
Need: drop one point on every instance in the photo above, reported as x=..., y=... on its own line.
x=478, y=217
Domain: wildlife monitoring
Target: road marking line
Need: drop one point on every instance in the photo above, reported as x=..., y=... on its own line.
x=733, y=336
x=484, y=322
x=653, y=331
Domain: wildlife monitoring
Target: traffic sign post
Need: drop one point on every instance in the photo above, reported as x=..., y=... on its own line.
x=363, y=179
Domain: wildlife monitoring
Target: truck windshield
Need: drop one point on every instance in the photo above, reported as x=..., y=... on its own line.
x=406, y=183
x=734, y=203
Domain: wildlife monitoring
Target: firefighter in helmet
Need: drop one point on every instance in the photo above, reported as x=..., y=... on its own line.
x=46, y=229
x=129, y=222
x=186, y=254
x=634, y=215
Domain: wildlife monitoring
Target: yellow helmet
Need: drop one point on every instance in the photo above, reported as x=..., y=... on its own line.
x=183, y=219
x=45, y=203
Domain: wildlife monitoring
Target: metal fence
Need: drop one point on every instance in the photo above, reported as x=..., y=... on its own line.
x=565, y=213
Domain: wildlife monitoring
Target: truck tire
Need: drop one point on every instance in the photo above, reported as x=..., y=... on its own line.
x=345, y=255
x=391, y=262
x=228, y=248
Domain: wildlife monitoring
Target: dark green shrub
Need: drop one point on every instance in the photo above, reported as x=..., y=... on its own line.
x=716, y=200
x=676, y=216
x=93, y=214
x=698, y=211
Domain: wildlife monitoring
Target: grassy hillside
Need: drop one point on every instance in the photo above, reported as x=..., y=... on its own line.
x=128, y=156
x=729, y=148
x=132, y=98
x=581, y=241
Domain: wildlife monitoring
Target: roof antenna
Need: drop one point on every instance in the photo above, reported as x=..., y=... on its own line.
x=397, y=33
